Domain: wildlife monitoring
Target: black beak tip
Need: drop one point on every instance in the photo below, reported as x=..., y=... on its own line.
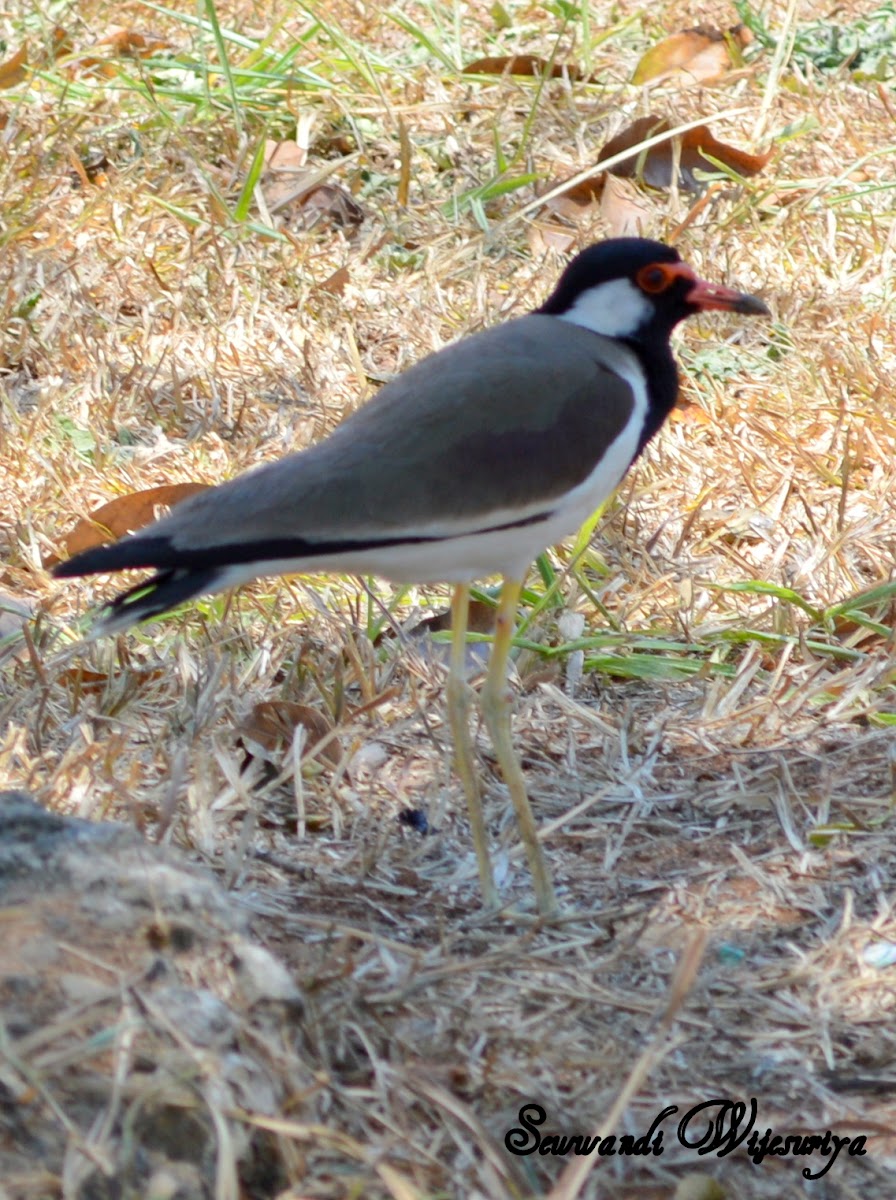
x=751, y=306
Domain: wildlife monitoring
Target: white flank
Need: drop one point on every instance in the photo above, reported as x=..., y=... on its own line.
x=465, y=552
x=615, y=309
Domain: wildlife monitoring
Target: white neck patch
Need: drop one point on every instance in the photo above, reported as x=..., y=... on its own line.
x=615, y=309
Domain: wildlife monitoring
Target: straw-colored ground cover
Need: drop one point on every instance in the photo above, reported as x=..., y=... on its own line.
x=709, y=749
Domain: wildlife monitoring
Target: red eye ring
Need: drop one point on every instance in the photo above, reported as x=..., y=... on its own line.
x=654, y=278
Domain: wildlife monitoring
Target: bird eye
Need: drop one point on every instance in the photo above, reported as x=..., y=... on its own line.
x=653, y=279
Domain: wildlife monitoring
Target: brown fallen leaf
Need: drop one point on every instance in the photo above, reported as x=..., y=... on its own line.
x=626, y=212
x=14, y=70
x=85, y=682
x=61, y=43
x=551, y=235
x=522, y=64
x=123, y=515
x=288, y=183
x=655, y=165
x=852, y=634
x=536, y=678
x=132, y=43
x=285, y=176
x=336, y=283
x=287, y=155
x=118, y=43
x=701, y=55
x=329, y=203
x=570, y=202
x=481, y=619
x=270, y=728
x=92, y=167
x=625, y=209
x=686, y=412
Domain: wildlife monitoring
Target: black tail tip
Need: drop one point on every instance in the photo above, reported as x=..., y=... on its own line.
x=127, y=554
x=153, y=597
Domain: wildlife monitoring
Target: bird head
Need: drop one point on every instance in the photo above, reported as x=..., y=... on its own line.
x=635, y=287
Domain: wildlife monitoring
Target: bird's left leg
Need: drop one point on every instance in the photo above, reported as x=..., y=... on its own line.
x=496, y=708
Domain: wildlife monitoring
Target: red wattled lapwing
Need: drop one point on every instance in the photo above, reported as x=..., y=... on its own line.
x=469, y=464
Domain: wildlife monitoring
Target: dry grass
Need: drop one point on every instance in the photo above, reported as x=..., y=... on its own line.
x=714, y=756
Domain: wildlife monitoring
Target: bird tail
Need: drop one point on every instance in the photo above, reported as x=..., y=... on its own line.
x=173, y=583
x=152, y=597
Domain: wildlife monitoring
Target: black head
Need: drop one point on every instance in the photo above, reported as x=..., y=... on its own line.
x=637, y=288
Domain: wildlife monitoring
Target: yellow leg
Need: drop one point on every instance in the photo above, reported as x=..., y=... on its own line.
x=496, y=701
x=458, y=711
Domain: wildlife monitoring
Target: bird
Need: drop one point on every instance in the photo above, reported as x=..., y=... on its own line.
x=467, y=465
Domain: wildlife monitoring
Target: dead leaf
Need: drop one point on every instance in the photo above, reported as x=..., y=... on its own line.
x=61, y=43
x=286, y=177
x=538, y=676
x=625, y=209
x=287, y=155
x=686, y=412
x=655, y=165
x=123, y=515
x=574, y=199
x=288, y=181
x=852, y=634
x=271, y=725
x=14, y=70
x=85, y=682
x=339, y=144
x=118, y=43
x=522, y=64
x=700, y=55
x=131, y=43
x=627, y=212
x=336, y=283
x=481, y=619
x=329, y=203
x=91, y=167
x=550, y=235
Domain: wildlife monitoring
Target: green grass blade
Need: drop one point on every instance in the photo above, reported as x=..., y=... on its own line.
x=760, y=587
x=229, y=35
x=422, y=38
x=221, y=47
x=881, y=594
x=247, y=193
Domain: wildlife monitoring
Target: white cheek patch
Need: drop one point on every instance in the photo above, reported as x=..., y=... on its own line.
x=615, y=309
